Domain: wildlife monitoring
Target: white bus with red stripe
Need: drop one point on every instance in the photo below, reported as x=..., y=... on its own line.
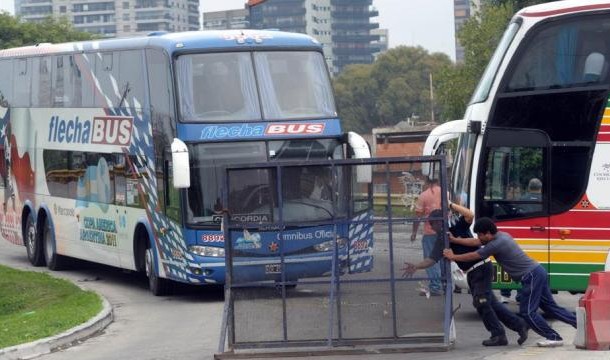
x=534, y=146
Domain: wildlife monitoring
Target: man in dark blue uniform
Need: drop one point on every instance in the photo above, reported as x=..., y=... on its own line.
x=479, y=274
x=535, y=292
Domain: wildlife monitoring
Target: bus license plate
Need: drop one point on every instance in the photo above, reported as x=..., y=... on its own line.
x=273, y=268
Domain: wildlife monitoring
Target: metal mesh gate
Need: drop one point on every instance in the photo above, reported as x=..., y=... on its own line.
x=315, y=252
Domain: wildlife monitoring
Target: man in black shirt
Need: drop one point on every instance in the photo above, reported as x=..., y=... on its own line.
x=479, y=275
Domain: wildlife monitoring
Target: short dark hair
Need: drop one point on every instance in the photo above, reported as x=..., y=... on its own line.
x=485, y=225
x=435, y=215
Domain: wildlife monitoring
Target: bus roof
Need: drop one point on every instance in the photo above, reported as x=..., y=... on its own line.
x=191, y=41
x=564, y=7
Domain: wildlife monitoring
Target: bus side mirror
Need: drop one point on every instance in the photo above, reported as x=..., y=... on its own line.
x=361, y=151
x=180, y=165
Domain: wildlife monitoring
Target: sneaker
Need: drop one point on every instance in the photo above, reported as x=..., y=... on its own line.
x=495, y=341
x=549, y=343
x=523, y=334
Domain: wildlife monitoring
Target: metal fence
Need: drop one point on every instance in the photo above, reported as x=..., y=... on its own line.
x=325, y=273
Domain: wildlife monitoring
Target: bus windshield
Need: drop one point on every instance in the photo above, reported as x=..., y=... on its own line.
x=482, y=90
x=243, y=86
x=460, y=185
x=306, y=190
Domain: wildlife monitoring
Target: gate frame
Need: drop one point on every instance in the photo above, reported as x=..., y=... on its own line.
x=332, y=346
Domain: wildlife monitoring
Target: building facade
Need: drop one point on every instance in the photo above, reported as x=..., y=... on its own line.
x=462, y=10
x=381, y=45
x=342, y=26
x=116, y=18
x=229, y=19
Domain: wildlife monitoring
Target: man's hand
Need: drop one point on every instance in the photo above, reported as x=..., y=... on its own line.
x=413, y=237
x=450, y=237
x=448, y=253
x=408, y=270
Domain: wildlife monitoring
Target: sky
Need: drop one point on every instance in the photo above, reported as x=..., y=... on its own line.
x=427, y=23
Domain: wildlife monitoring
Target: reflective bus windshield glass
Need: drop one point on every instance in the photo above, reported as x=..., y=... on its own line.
x=306, y=190
x=461, y=169
x=482, y=90
x=242, y=86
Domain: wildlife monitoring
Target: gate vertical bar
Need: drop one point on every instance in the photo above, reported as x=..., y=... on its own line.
x=391, y=245
x=226, y=220
x=336, y=262
x=280, y=199
x=445, y=263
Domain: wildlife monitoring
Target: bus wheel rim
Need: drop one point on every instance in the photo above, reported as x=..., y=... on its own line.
x=31, y=237
x=48, y=245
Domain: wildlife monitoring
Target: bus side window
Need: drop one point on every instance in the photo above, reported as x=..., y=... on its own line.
x=171, y=194
x=56, y=168
x=76, y=171
x=21, y=85
x=135, y=169
x=106, y=74
x=131, y=77
x=41, y=82
x=119, y=179
x=161, y=99
x=513, y=182
x=58, y=81
x=6, y=85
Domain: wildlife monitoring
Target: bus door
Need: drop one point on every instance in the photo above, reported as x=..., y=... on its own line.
x=513, y=189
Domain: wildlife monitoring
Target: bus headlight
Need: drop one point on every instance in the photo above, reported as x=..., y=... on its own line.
x=211, y=251
x=328, y=245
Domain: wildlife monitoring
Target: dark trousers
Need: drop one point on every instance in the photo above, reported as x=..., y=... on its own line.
x=535, y=293
x=492, y=312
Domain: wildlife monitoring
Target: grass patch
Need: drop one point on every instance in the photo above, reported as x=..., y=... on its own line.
x=34, y=305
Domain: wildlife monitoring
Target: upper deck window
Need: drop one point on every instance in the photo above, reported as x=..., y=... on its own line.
x=217, y=87
x=294, y=85
x=223, y=87
x=563, y=54
x=482, y=91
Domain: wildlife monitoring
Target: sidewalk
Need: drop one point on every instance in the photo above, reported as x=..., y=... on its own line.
x=470, y=333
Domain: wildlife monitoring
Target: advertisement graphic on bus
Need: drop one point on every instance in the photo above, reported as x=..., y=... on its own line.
x=114, y=151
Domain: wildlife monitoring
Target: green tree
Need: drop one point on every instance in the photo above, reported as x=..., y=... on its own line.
x=518, y=4
x=479, y=36
x=354, y=94
x=14, y=33
x=390, y=90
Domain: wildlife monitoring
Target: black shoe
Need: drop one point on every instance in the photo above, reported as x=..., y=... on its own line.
x=523, y=334
x=495, y=341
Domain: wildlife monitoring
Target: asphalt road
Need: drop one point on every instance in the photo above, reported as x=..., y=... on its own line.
x=187, y=324
x=182, y=326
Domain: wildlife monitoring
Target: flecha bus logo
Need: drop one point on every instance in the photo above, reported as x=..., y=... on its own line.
x=102, y=130
x=295, y=129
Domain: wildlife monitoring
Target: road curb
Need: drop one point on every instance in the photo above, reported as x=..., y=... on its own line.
x=61, y=341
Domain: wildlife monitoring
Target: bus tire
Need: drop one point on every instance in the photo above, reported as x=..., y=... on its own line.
x=32, y=242
x=54, y=261
x=157, y=285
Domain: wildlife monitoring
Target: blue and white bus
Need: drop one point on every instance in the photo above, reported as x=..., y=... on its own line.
x=114, y=151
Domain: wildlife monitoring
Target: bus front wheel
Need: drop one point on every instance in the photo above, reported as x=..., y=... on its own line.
x=157, y=285
x=32, y=242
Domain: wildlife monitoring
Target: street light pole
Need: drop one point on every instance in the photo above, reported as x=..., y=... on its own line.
x=431, y=100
